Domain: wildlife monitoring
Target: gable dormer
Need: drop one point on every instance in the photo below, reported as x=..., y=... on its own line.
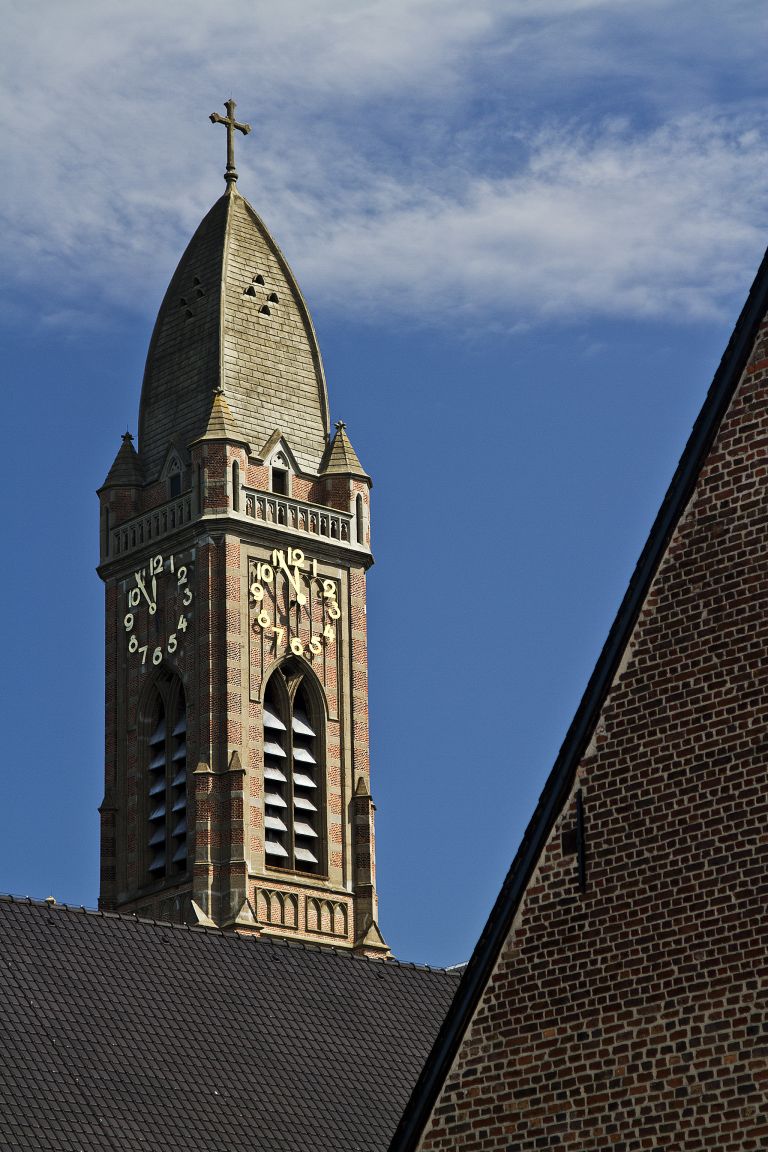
x=281, y=465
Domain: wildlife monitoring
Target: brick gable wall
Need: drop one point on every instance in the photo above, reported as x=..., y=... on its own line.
x=632, y=1014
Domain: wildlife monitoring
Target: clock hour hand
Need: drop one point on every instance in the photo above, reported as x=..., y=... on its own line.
x=301, y=598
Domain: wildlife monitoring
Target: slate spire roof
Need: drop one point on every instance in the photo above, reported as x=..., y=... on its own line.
x=341, y=458
x=126, y=468
x=233, y=317
x=221, y=424
x=119, y=1033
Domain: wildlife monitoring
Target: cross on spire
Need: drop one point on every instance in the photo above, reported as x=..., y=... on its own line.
x=231, y=173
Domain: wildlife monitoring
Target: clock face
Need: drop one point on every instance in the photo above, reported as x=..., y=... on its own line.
x=293, y=605
x=158, y=607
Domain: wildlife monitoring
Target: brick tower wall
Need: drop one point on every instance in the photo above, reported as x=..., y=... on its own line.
x=632, y=1014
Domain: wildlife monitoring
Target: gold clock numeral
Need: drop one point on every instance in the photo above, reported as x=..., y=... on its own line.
x=334, y=611
x=257, y=591
x=296, y=646
x=328, y=632
x=187, y=597
x=279, y=632
x=133, y=644
x=172, y=642
x=157, y=655
x=182, y=624
x=263, y=619
x=134, y=597
x=182, y=575
x=315, y=646
x=128, y=621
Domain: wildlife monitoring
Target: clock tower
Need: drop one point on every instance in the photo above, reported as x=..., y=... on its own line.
x=234, y=545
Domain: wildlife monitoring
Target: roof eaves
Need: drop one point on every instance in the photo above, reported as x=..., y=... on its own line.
x=560, y=779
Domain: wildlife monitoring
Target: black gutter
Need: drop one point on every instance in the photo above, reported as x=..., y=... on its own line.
x=560, y=780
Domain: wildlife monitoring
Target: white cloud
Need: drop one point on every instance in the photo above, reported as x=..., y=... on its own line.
x=421, y=157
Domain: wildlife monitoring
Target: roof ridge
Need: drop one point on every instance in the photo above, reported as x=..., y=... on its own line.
x=273, y=941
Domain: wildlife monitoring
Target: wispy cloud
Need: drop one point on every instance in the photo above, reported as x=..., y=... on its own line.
x=494, y=162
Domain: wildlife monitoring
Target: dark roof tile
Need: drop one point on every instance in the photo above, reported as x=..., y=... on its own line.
x=116, y=1031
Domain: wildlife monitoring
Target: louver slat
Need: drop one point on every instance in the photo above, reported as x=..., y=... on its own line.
x=302, y=829
x=275, y=800
x=304, y=804
x=180, y=853
x=179, y=779
x=271, y=773
x=275, y=823
x=272, y=749
x=158, y=813
x=303, y=781
x=304, y=755
x=305, y=855
x=181, y=727
x=180, y=753
x=272, y=848
x=157, y=761
x=180, y=804
x=158, y=788
x=273, y=721
x=158, y=736
x=300, y=724
x=158, y=862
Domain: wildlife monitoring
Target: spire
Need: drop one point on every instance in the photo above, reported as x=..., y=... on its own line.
x=233, y=316
x=221, y=423
x=126, y=469
x=341, y=458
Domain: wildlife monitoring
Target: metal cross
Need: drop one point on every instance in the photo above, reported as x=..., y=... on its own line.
x=231, y=173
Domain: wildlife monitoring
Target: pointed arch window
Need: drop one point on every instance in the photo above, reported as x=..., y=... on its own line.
x=166, y=781
x=294, y=772
x=280, y=475
x=235, y=486
x=360, y=519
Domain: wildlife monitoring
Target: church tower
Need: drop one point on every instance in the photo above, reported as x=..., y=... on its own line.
x=234, y=546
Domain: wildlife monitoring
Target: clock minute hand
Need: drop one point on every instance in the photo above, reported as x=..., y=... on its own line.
x=292, y=580
x=142, y=588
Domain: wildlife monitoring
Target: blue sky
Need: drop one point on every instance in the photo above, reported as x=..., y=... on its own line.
x=524, y=231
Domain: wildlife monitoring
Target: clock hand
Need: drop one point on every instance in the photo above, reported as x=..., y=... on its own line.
x=301, y=599
x=292, y=580
x=142, y=588
x=153, y=605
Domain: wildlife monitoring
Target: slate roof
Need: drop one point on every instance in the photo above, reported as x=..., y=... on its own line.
x=221, y=425
x=233, y=316
x=118, y=1033
x=341, y=458
x=560, y=781
x=126, y=469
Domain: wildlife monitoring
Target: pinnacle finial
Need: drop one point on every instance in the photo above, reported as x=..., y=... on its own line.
x=339, y=425
x=127, y=437
x=231, y=173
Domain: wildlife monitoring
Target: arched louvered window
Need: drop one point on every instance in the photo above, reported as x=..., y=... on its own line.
x=166, y=777
x=294, y=772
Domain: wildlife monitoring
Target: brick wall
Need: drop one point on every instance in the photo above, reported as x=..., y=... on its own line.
x=633, y=1014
